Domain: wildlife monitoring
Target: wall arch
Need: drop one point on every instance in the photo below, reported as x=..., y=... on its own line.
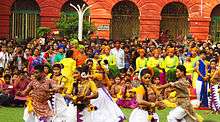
x=214, y=30
x=24, y=19
x=174, y=20
x=125, y=13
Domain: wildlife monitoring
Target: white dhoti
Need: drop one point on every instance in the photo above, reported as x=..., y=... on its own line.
x=139, y=115
x=198, y=89
x=107, y=109
x=63, y=113
x=31, y=117
x=177, y=115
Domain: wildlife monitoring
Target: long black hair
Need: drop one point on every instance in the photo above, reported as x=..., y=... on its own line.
x=142, y=73
x=182, y=69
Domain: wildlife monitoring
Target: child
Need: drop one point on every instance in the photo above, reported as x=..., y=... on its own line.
x=170, y=63
x=126, y=96
x=20, y=84
x=141, y=61
x=214, y=85
x=116, y=88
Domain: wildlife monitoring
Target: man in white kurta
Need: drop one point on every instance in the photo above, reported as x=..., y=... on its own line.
x=119, y=54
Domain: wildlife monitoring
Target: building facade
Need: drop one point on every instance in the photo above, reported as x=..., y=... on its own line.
x=117, y=19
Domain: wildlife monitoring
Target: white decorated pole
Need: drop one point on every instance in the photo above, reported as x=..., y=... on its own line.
x=81, y=11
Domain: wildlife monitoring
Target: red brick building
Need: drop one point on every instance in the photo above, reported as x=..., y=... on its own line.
x=117, y=18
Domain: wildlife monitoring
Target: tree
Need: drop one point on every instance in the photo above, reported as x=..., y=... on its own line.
x=43, y=31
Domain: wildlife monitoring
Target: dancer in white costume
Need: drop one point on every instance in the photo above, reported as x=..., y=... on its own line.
x=84, y=90
x=147, y=99
x=214, y=100
x=63, y=111
x=107, y=109
x=184, y=111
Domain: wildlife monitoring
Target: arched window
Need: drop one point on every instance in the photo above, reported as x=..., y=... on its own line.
x=125, y=20
x=24, y=19
x=215, y=24
x=175, y=20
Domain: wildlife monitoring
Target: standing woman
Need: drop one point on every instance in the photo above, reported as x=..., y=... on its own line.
x=184, y=111
x=147, y=99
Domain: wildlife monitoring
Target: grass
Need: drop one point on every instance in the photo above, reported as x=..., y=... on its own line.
x=11, y=114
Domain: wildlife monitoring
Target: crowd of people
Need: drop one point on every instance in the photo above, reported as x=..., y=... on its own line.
x=67, y=80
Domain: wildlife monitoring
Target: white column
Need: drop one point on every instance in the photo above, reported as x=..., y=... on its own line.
x=81, y=11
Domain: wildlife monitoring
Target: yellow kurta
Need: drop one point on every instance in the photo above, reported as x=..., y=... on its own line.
x=63, y=80
x=85, y=87
x=153, y=62
x=69, y=67
x=94, y=66
x=195, y=74
x=189, y=68
x=68, y=70
x=110, y=58
x=141, y=63
x=171, y=63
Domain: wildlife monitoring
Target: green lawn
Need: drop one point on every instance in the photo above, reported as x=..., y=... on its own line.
x=15, y=115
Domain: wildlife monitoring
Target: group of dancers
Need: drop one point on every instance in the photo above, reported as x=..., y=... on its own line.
x=82, y=96
x=79, y=97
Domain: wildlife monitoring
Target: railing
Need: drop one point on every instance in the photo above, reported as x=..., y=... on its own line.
x=23, y=25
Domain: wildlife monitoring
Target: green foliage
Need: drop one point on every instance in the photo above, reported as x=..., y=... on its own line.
x=68, y=25
x=42, y=31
